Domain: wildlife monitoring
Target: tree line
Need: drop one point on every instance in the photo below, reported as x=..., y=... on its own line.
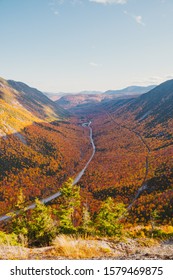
x=40, y=225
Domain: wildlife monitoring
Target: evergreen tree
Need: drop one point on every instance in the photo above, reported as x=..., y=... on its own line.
x=41, y=227
x=108, y=219
x=70, y=201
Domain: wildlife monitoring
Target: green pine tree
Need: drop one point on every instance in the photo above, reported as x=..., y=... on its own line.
x=107, y=221
x=70, y=201
x=41, y=227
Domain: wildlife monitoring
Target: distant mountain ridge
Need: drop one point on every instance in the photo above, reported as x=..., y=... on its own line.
x=56, y=96
x=131, y=90
x=83, y=98
x=73, y=100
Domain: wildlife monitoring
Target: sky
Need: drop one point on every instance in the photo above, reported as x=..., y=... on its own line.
x=75, y=45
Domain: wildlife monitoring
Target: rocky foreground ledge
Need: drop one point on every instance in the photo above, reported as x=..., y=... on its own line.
x=69, y=248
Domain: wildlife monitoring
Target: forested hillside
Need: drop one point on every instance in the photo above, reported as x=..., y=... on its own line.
x=40, y=145
x=134, y=153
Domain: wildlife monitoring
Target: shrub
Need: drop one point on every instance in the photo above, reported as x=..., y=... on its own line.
x=8, y=239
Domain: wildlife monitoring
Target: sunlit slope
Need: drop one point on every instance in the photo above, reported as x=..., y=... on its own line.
x=21, y=105
x=36, y=102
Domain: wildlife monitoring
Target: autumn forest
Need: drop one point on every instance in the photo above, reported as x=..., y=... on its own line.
x=42, y=145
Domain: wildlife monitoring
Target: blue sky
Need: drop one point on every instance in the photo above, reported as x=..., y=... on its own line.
x=74, y=45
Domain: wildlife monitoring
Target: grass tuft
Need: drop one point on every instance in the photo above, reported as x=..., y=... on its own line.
x=78, y=248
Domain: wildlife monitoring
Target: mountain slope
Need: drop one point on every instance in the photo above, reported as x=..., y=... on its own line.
x=21, y=105
x=157, y=103
x=155, y=106
x=36, y=102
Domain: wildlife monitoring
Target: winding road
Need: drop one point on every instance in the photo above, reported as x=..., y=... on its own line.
x=76, y=180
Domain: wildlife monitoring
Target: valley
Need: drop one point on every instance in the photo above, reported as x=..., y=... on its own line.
x=86, y=135
x=134, y=154
x=118, y=150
